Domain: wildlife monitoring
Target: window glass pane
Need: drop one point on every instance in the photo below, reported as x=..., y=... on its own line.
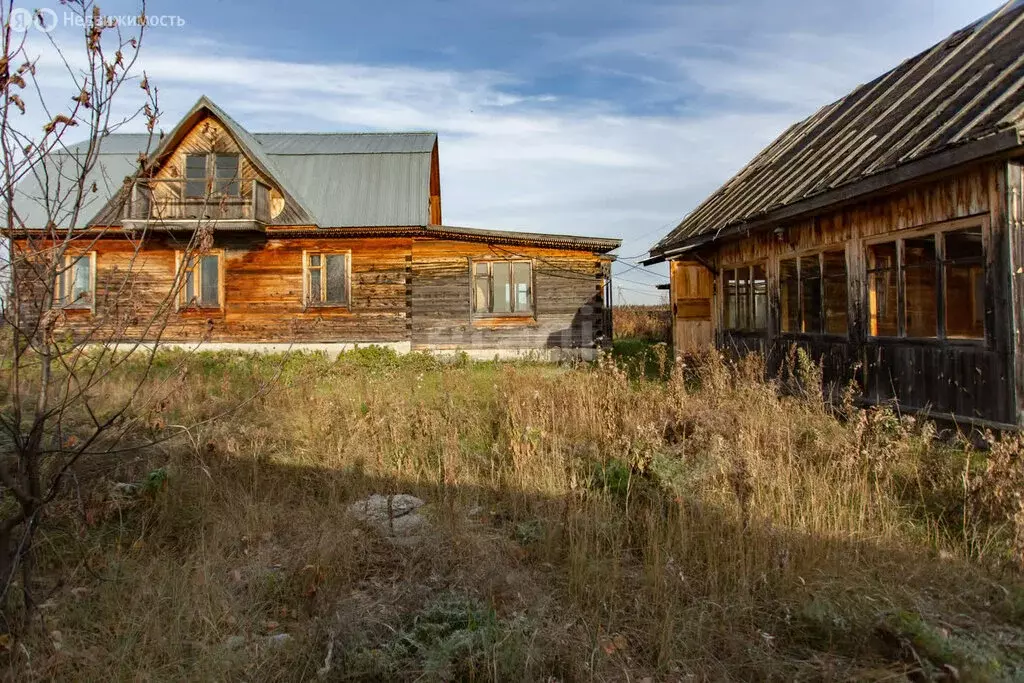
x=743, y=320
x=81, y=283
x=759, y=286
x=501, y=289
x=226, y=172
x=882, y=256
x=314, y=260
x=965, y=301
x=195, y=174
x=481, y=287
x=920, y=287
x=209, y=278
x=729, y=301
x=882, y=303
x=810, y=280
x=337, y=279
x=964, y=273
x=315, y=284
x=190, y=286
x=964, y=245
x=789, y=296
x=835, y=286
x=521, y=278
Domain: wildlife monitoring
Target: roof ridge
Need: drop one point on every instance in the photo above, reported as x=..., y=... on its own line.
x=927, y=103
x=355, y=132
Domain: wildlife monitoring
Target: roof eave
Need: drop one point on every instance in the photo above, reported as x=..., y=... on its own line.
x=972, y=152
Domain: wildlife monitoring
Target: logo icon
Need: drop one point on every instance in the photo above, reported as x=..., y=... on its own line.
x=21, y=19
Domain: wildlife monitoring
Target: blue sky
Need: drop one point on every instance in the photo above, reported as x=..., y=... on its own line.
x=601, y=117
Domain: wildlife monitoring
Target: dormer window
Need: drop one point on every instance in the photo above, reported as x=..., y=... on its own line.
x=211, y=173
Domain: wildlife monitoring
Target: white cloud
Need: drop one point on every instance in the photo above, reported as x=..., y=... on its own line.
x=550, y=162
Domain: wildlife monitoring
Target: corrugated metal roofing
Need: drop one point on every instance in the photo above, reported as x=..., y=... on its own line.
x=347, y=143
x=965, y=88
x=55, y=181
x=353, y=190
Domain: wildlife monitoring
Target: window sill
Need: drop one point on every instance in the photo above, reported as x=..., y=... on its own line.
x=827, y=336
x=331, y=309
x=510, y=320
x=928, y=341
x=200, y=311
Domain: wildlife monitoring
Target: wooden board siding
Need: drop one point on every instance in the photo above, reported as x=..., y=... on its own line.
x=435, y=188
x=1013, y=190
x=968, y=378
x=568, y=298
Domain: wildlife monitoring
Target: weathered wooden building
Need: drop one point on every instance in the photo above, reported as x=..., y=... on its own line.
x=319, y=241
x=882, y=234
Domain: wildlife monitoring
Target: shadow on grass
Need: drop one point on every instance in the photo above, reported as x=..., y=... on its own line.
x=228, y=566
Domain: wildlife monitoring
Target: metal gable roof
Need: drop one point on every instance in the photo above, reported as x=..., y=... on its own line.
x=966, y=88
x=338, y=179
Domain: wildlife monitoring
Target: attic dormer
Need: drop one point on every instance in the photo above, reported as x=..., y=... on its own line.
x=210, y=169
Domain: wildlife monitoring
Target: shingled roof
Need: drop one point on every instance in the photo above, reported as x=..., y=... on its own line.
x=960, y=100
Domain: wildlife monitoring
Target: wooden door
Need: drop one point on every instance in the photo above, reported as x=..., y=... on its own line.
x=692, y=288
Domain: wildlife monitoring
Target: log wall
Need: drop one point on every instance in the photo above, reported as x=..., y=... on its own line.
x=568, y=299
x=403, y=289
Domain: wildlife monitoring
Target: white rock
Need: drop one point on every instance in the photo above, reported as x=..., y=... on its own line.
x=391, y=515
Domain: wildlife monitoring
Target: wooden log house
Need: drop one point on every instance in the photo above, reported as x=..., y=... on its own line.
x=882, y=235
x=320, y=241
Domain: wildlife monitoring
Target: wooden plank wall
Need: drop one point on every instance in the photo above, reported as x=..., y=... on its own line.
x=971, y=379
x=568, y=298
x=1014, y=208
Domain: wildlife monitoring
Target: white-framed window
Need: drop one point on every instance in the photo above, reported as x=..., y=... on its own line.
x=216, y=174
x=502, y=287
x=76, y=281
x=202, y=280
x=326, y=278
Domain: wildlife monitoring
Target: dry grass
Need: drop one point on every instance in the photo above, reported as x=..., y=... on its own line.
x=588, y=524
x=648, y=323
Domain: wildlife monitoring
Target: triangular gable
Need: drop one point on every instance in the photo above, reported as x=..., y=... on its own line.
x=295, y=212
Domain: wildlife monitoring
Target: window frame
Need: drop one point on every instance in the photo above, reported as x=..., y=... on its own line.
x=211, y=181
x=798, y=257
x=180, y=303
x=935, y=231
x=490, y=313
x=751, y=308
x=66, y=283
x=324, y=253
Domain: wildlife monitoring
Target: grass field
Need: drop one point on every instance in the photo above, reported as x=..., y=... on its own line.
x=597, y=522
